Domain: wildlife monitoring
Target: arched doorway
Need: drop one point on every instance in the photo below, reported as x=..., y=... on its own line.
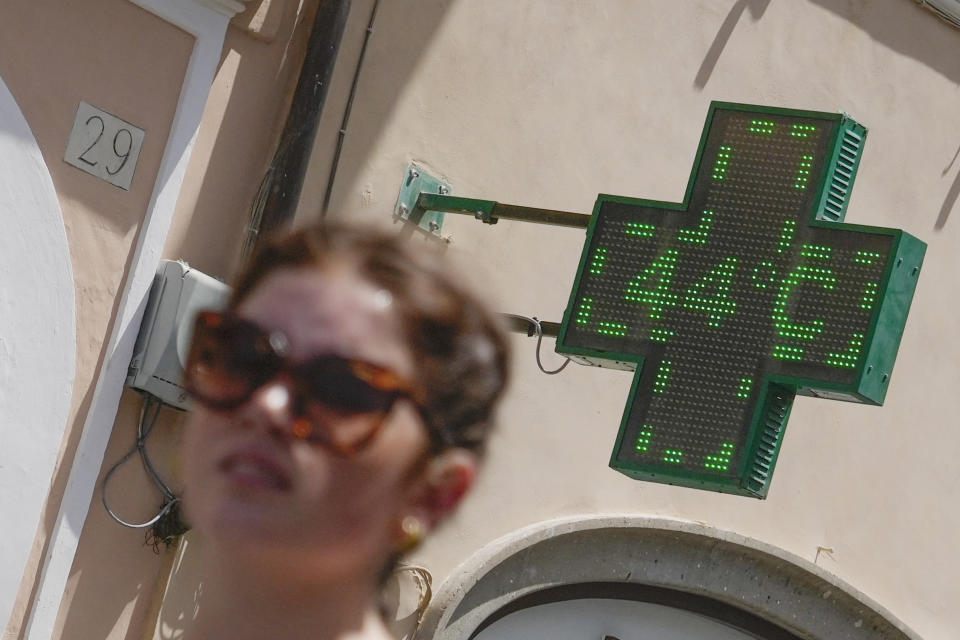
x=633, y=578
x=616, y=616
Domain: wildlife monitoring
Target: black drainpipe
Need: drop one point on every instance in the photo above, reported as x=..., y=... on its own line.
x=279, y=193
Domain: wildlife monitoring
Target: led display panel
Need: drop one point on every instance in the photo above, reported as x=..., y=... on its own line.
x=747, y=293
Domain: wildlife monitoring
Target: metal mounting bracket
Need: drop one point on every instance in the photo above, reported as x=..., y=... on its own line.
x=416, y=181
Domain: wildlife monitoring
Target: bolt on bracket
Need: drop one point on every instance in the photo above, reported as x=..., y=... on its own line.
x=416, y=180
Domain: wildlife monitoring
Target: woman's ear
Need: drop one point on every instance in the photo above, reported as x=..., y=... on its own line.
x=445, y=481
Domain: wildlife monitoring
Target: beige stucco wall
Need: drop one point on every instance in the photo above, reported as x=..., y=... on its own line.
x=116, y=580
x=241, y=125
x=550, y=103
x=132, y=63
x=52, y=56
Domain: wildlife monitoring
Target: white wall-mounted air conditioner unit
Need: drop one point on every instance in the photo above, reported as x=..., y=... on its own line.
x=160, y=352
x=949, y=10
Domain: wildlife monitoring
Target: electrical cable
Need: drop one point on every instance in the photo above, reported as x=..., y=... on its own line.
x=256, y=214
x=342, y=134
x=424, y=580
x=539, y=330
x=149, y=413
x=145, y=459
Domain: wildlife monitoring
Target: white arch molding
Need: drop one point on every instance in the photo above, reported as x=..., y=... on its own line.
x=37, y=340
x=726, y=576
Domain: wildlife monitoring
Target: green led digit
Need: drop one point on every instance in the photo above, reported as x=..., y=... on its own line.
x=652, y=286
x=613, y=329
x=673, y=456
x=781, y=320
x=660, y=335
x=783, y=352
x=711, y=294
x=640, y=229
x=702, y=232
x=599, y=260
x=802, y=130
x=803, y=172
x=583, y=315
x=869, y=296
x=643, y=440
x=848, y=359
x=663, y=377
x=720, y=461
x=763, y=127
x=722, y=163
x=816, y=251
x=786, y=235
x=764, y=275
x=745, y=385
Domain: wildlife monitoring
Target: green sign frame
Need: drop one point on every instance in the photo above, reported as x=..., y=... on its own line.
x=772, y=400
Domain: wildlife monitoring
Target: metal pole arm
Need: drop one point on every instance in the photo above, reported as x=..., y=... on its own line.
x=522, y=324
x=490, y=212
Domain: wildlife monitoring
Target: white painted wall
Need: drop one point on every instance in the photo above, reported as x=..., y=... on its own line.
x=37, y=340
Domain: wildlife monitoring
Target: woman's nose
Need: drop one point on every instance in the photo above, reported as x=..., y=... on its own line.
x=273, y=404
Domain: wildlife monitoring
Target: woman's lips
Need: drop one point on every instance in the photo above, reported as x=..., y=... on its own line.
x=255, y=470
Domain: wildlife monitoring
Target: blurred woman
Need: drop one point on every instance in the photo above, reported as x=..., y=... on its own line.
x=342, y=402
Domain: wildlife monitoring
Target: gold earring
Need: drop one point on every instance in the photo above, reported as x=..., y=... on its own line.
x=413, y=532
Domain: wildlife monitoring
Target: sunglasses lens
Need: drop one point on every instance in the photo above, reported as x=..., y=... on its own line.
x=334, y=383
x=228, y=360
x=339, y=402
x=344, y=408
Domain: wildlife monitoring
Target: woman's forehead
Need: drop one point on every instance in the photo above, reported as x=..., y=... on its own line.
x=330, y=310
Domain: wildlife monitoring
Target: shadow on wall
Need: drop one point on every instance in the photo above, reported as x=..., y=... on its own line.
x=241, y=123
x=384, y=75
x=952, y=195
x=897, y=23
x=887, y=23
x=227, y=220
x=756, y=8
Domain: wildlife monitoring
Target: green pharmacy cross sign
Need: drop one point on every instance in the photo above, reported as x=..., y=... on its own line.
x=744, y=295
x=728, y=304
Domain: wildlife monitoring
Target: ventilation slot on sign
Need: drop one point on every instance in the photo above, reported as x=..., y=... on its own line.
x=838, y=191
x=778, y=403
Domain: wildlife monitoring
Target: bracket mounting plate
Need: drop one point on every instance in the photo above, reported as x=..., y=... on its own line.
x=416, y=180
